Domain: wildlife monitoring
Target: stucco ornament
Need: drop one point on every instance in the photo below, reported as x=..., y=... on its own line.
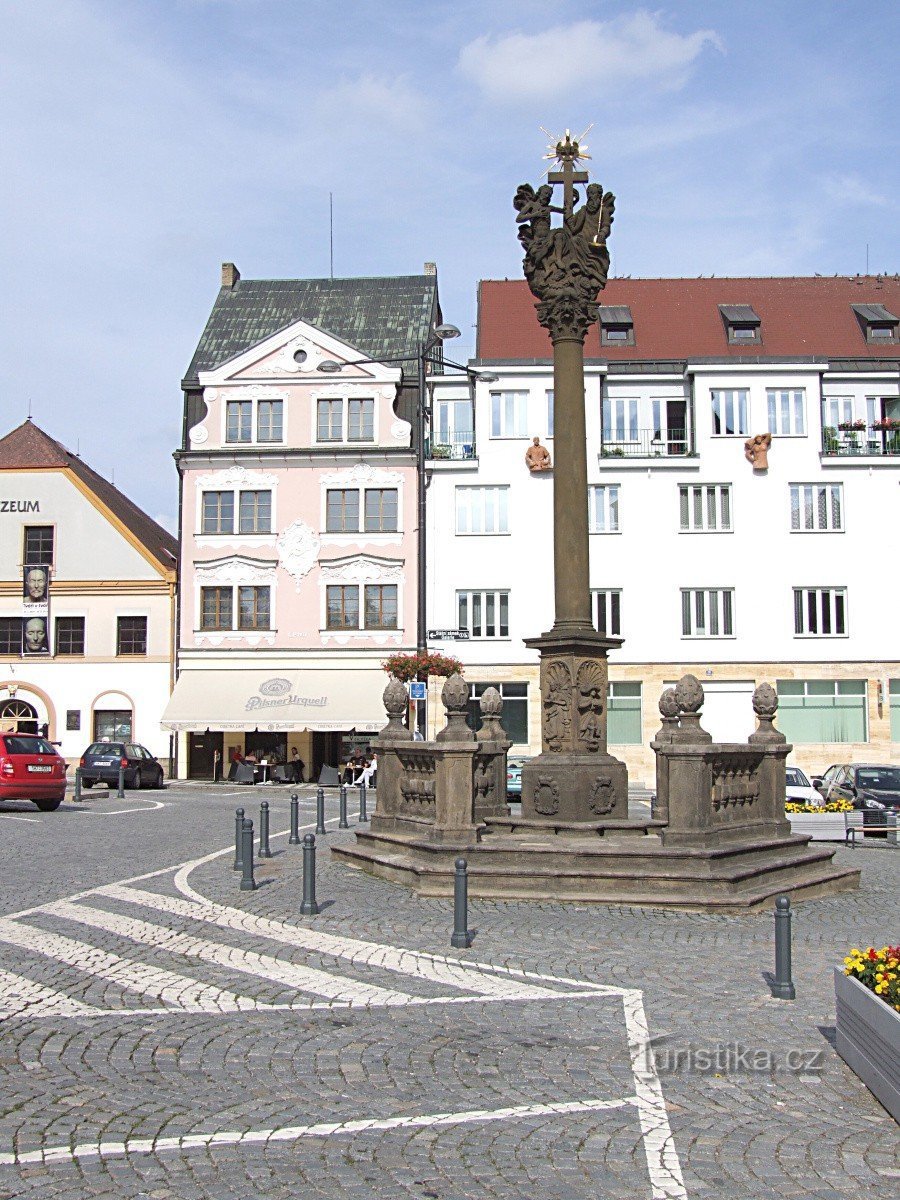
x=689, y=694
x=298, y=549
x=363, y=475
x=198, y=435
x=362, y=568
x=237, y=570
x=236, y=476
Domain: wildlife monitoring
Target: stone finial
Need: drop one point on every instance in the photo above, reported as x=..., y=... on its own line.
x=668, y=709
x=689, y=698
x=395, y=700
x=490, y=703
x=491, y=706
x=765, y=705
x=455, y=699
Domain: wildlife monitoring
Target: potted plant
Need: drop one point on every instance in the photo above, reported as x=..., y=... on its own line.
x=440, y=450
x=821, y=823
x=853, y=429
x=867, y=999
x=406, y=667
x=832, y=441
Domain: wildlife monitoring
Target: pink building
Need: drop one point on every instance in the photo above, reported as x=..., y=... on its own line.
x=298, y=515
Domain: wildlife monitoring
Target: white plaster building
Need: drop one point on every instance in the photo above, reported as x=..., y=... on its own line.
x=93, y=656
x=699, y=560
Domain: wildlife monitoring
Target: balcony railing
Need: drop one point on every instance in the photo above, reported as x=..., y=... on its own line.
x=458, y=445
x=869, y=440
x=646, y=443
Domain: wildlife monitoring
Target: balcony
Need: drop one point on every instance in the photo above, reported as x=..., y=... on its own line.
x=647, y=443
x=879, y=440
x=457, y=445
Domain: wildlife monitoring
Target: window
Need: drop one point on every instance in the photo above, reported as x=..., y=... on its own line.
x=509, y=414
x=787, y=412
x=216, y=608
x=837, y=410
x=820, y=612
x=894, y=698
x=69, y=635
x=606, y=607
x=218, y=512
x=256, y=512
x=329, y=420
x=381, y=606
x=705, y=507
x=817, y=508
x=616, y=325
x=484, y=614
x=742, y=323
x=551, y=405
x=269, y=421
x=877, y=322
x=482, y=510
x=624, y=707
x=729, y=412
x=131, y=636
x=707, y=612
x=37, y=549
x=514, y=716
x=342, y=607
x=11, y=635
x=360, y=420
x=381, y=510
x=253, y=608
x=239, y=421
x=342, y=510
x=620, y=419
x=604, y=508
x=112, y=725
x=822, y=710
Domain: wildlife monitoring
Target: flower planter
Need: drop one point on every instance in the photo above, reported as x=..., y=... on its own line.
x=868, y=1039
x=821, y=827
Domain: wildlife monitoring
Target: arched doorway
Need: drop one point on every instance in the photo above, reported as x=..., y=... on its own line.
x=18, y=716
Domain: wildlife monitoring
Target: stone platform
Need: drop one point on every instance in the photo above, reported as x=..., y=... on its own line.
x=613, y=862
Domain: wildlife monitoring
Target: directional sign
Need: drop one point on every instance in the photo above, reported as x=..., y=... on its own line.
x=448, y=635
x=418, y=690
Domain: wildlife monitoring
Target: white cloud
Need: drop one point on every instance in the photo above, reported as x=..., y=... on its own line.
x=852, y=191
x=610, y=55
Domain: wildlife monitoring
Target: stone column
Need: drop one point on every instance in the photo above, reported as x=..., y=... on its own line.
x=570, y=505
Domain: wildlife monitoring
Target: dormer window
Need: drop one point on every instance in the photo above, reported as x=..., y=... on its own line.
x=877, y=323
x=742, y=324
x=616, y=325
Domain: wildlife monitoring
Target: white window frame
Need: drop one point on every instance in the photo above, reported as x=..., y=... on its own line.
x=344, y=399
x=509, y=415
x=621, y=419
x=707, y=607
x=604, y=508
x=837, y=410
x=254, y=402
x=235, y=627
x=609, y=601
x=805, y=501
x=786, y=411
x=733, y=401
x=475, y=504
x=236, y=493
x=830, y=608
x=715, y=499
x=551, y=411
x=486, y=598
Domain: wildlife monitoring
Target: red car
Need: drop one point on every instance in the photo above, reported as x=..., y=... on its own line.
x=31, y=769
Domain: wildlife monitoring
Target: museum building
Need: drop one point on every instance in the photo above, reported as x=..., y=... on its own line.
x=298, y=525
x=743, y=469
x=87, y=603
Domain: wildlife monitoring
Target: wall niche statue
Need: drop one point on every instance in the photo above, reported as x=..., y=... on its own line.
x=756, y=451
x=537, y=456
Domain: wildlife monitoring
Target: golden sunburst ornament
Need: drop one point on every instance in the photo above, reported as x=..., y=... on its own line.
x=567, y=149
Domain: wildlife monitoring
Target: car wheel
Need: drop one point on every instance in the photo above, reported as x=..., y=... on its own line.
x=136, y=782
x=159, y=780
x=48, y=805
x=87, y=783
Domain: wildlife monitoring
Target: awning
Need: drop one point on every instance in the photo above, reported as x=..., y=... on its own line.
x=328, y=700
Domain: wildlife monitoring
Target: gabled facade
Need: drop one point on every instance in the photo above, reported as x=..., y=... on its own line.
x=87, y=602
x=298, y=515
x=703, y=557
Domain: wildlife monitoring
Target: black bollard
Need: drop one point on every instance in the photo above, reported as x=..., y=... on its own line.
x=342, y=821
x=120, y=794
x=265, y=850
x=294, y=839
x=320, y=811
x=238, y=834
x=461, y=935
x=783, y=985
x=248, y=883
x=309, y=907
x=363, y=815
x=77, y=796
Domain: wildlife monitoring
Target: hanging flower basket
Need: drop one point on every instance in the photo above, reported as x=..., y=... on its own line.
x=415, y=666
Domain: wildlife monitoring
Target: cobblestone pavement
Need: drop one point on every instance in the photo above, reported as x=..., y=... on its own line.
x=163, y=1034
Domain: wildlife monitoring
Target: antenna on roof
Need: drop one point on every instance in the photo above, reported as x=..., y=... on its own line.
x=29, y=408
x=331, y=233
x=867, y=258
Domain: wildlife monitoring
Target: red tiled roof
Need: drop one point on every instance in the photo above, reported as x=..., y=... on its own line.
x=29, y=448
x=680, y=319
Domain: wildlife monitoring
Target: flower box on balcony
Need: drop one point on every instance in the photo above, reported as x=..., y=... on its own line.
x=856, y=426
x=868, y=1039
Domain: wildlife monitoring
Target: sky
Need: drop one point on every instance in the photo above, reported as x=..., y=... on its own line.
x=144, y=142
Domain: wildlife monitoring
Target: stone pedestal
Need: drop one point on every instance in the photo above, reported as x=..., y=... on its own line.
x=574, y=778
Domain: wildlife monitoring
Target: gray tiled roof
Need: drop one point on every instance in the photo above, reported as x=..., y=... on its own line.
x=383, y=317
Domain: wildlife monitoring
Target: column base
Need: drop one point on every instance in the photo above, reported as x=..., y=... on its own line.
x=575, y=787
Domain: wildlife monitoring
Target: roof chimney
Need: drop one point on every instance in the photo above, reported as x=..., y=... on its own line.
x=230, y=275
x=430, y=269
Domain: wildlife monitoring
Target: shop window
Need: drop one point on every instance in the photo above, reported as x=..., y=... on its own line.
x=822, y=710
x=624, y=706
x=112, y=725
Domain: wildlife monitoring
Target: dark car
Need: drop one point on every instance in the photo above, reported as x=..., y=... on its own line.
x=873, y=788
x=514, y=777
x=31, y=769
x=101, y=761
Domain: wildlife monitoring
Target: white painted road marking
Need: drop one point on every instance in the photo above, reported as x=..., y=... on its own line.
x=22, y=993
